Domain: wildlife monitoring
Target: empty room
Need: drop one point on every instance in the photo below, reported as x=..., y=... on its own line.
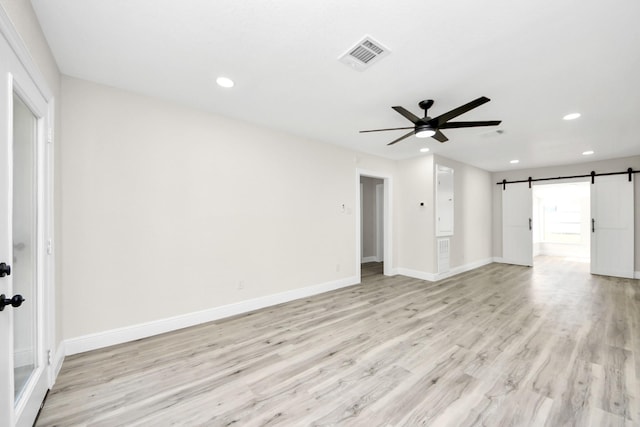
x=320, y=213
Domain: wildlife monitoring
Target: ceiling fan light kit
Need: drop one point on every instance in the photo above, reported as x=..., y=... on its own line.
x=425, y=132
x=430, y=127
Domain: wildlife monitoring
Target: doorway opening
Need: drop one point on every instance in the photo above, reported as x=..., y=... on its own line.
x=570, y=219
x=373, y=219
x=561, y=222
x=371, y=226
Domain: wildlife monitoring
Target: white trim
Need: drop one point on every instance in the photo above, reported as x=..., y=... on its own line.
x=22, y=53
x=387, y=242
x=56, y=363
x=361, y=218
x=464, y=268
x=379, y=222
x=49, y=236
x=434, y=277
x=416, y=274
x=370, y=259
x=498, y=259
x=147, y=329
x=636, y=275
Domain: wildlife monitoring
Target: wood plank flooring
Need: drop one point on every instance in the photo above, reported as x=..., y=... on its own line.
x=498, y=346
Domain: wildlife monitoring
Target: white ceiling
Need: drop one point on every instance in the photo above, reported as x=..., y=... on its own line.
x=536, y=60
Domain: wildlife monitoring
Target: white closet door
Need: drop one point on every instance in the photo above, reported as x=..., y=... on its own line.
x=612, y=239
x=517, y=236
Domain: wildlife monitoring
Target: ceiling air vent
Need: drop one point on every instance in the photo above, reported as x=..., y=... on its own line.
x=365, y=53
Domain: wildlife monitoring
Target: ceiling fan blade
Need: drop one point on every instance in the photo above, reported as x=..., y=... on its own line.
x=407, y=114
x=443, y=118
x=382, y=130
x=440, y=136
x=453, y=125
x=402, y=137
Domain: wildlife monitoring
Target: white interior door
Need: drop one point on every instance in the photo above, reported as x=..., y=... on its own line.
x=612, y=239
x=24, y=264
x=517, y=236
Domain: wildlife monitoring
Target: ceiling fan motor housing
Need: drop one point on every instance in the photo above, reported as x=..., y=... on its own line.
x=425, y=105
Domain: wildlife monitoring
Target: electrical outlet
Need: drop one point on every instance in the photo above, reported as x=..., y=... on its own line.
x=241, y=285
x=337, y=268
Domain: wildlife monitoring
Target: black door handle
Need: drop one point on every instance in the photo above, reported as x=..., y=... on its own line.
x=16, y=301
x=530, y=228
x=593, y=225
x=5, y=270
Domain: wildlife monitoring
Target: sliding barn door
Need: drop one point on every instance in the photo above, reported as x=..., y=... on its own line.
x=517, y=236
x=612, y=241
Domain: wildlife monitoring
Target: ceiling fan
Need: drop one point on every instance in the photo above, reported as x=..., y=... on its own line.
x=430, y=127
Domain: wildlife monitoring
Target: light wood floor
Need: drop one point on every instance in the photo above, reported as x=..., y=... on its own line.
x=498, y=346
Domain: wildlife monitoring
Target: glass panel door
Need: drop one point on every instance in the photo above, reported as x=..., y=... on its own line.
x=26, y=223
x=25, y=252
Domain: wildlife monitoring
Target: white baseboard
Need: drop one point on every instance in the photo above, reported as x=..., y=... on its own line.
x=636, y=275
x=56, y=363
x=370, y=259
x=416, y=274
x=498, y=259
x=392, y=272
x=464, y=268
x=434, y=277
x=147, y=329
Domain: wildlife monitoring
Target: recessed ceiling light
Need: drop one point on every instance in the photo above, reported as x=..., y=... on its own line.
x=571, y=116
x=224, y=82
x=424, y=150
x=513, y=162
x=587, y=153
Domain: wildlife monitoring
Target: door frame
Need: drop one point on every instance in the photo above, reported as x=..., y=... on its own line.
x=380, y=222
x=46, y=323
x=387, y=221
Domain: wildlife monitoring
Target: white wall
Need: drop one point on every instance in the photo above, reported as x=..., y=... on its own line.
x=415, y=223
x=615, y=165
x=167, y=209
x=471, y=241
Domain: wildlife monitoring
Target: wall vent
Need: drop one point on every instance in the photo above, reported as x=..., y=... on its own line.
x=364, y=54
x=443, y=255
